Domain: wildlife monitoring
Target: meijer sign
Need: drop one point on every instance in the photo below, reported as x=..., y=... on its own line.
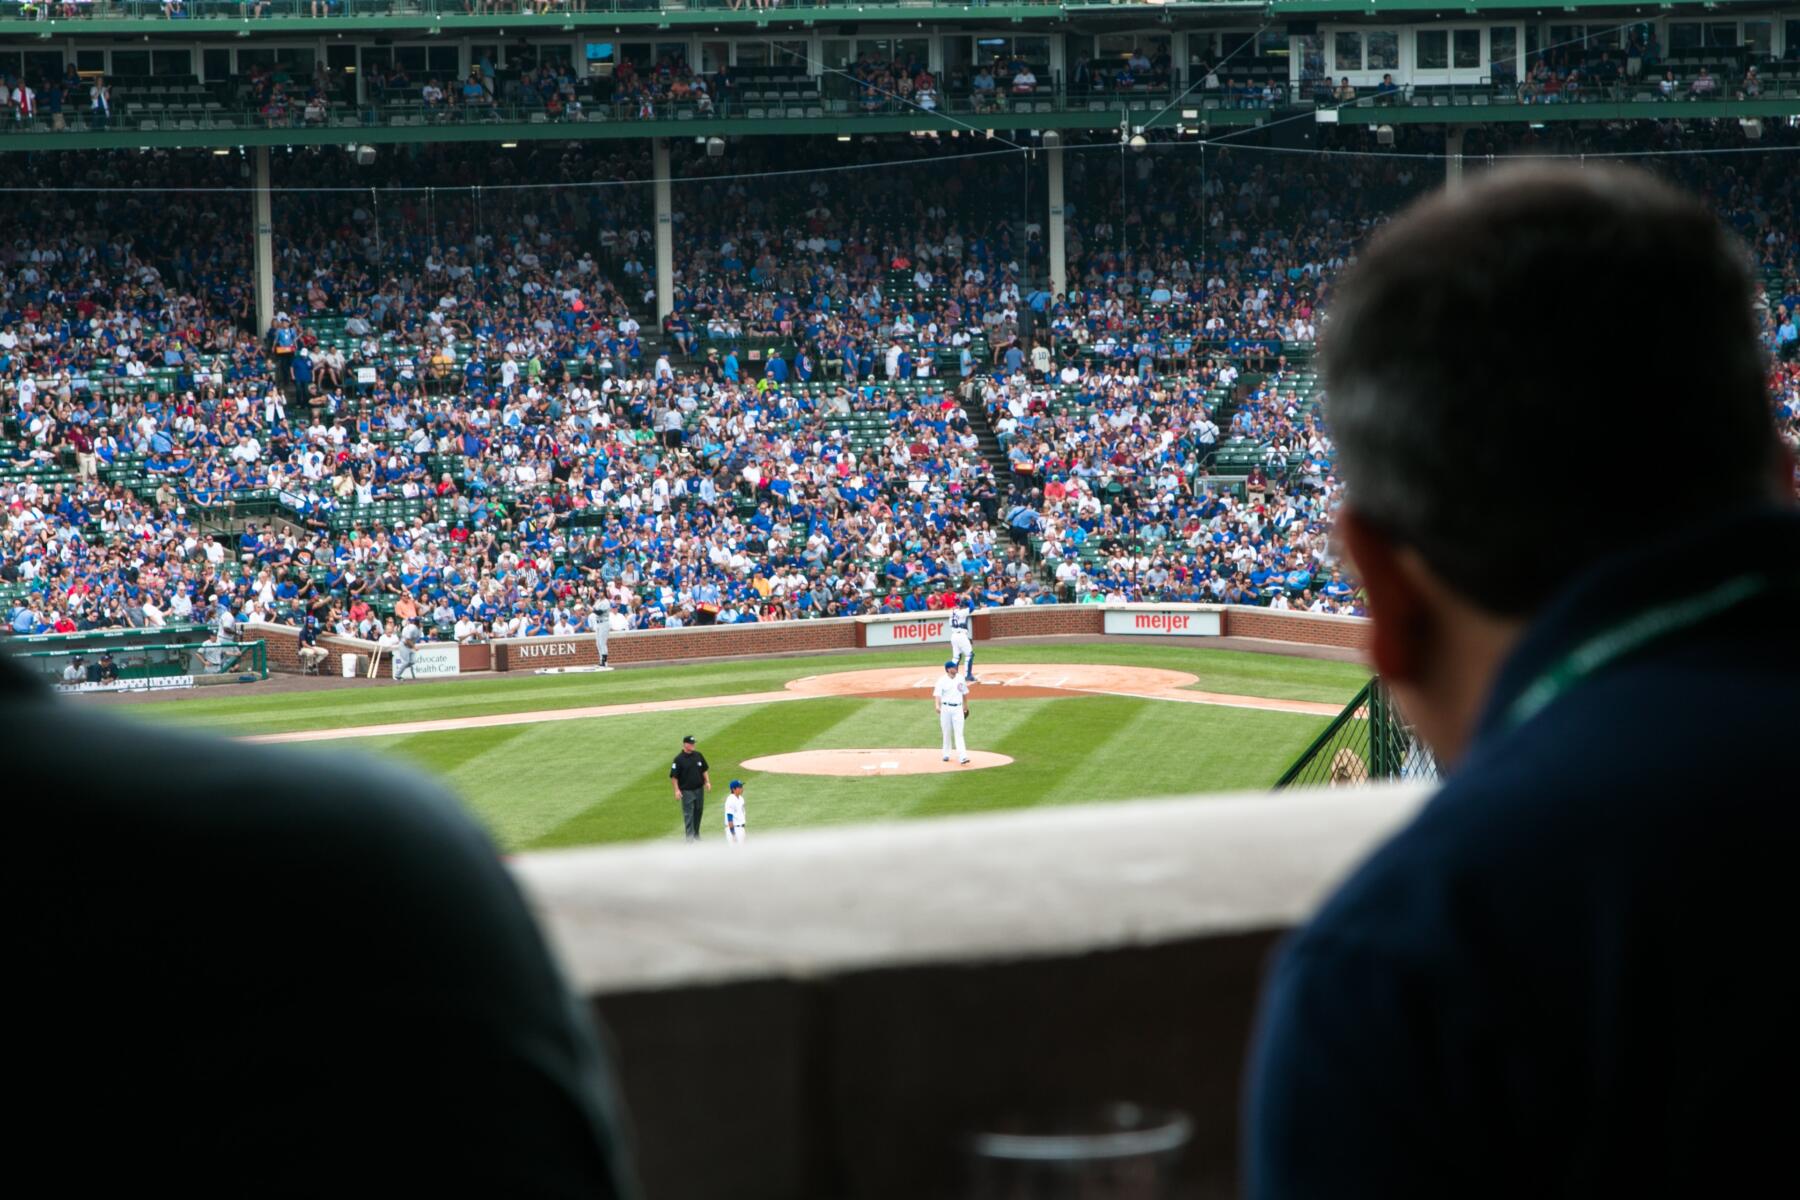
x=1166, y=622
x=915, y=631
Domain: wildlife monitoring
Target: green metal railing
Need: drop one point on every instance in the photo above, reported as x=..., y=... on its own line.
x=1368, y=741
x=154, y=114
x=146, y=663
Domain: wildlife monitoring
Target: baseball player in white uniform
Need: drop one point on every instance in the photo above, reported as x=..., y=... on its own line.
x=951, y=696
x=962, y=642
x=735, y=829
x=599, y=622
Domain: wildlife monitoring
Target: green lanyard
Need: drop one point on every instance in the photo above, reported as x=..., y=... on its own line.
x=1615, y=642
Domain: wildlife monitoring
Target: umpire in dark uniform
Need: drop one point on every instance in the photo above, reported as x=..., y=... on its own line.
x=1560, y=978
x=691, y=778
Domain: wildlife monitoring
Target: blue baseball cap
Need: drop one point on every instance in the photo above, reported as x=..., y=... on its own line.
x=950, y=666
x=736, y=784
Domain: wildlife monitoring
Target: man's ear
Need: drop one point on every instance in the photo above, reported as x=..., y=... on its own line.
x=1398, y=609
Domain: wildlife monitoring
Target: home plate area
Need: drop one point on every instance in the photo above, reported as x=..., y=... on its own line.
x=869, y=764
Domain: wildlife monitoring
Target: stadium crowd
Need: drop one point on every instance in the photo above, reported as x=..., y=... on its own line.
x=459, y=421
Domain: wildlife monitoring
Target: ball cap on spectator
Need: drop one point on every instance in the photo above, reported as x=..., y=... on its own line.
x=688, y=740
x=736, y=784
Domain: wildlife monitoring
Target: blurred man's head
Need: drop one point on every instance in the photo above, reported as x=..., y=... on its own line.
x=1524, y=378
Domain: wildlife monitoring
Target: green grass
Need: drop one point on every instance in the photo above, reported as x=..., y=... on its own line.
x=578, y=782
x=606, y=780
x=1273, y=676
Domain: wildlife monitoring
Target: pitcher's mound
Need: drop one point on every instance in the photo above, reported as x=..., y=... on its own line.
x=869, y=763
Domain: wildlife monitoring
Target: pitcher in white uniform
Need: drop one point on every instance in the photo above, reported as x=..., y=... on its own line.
x=951, y=696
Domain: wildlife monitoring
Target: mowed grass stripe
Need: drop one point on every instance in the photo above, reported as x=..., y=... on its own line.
x=1020, y=729
x=1101, y=748
x=248, y=712
x=606, y=780
x=635, y=803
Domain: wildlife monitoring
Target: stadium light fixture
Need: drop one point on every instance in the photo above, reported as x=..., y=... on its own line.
x=509, y=145
x=843, y=137
x=222, y=152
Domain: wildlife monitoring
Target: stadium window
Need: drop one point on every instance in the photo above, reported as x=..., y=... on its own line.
x=833, y=53
x=43, y=64
x=752, y=54
x=1117, y=47
x=1684, y=35
x=437, y=58
x=1347, y=51
x=1568, y=37
x=132, y=63
x=1466, y=49
x=410, y=57
x=1272, y=43
x=1790, y=33
x=11, y=63
x=1433, y=49
x=171, y=62
x=1384, y=50
x=294, y=62
x=217, y=63
x=90, y=60
x=1503, y=53
x=1721, y=35
x=1311, y=49
x=1759, y=38
x=1236, y=44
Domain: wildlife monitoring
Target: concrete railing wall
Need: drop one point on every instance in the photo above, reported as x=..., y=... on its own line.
x=827, y=1013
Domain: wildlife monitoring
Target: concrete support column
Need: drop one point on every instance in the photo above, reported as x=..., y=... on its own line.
x=1453, y=156
x=265, y=244
x=665, y=230
x=1057, y=235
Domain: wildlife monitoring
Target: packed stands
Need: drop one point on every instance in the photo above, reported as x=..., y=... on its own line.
x=467, y=415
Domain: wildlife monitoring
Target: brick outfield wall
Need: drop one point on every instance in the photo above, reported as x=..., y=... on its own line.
x=792, y=637
x=1312, y=629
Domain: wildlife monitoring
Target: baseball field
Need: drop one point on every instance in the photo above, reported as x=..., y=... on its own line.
x=576, y=759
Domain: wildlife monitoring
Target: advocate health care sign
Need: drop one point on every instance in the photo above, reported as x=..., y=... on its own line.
x=1163, y=622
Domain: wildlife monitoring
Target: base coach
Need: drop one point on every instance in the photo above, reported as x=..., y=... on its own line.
x=691, y=779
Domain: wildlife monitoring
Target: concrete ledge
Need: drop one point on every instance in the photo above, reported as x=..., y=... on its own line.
x=852, y=1002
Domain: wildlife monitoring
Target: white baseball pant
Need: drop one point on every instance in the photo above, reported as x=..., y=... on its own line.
x=950, y=720
x=962, y=649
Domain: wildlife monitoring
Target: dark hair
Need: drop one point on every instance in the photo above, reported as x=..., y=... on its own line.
x=1544, y=320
